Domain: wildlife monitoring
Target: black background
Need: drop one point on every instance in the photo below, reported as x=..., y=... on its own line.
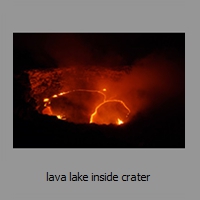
x=163, y=127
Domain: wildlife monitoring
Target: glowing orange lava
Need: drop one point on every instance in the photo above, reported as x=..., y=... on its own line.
x=110, y=115
x=59, y=117
x=46, y=100
x=119, y=121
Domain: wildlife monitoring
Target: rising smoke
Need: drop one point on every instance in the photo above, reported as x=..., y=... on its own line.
x=143, y=82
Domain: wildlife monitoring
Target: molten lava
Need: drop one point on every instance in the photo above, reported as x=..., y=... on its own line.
x=119, y=121
x=46, y=100
x=108, y=112
x=59, y=117
x=73, y=106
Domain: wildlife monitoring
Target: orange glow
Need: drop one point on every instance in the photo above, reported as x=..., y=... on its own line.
x=148, y=83
x=60, y=94
x=109, y=101
x=46, y=100
x=110, y=109
x=47, y=111
x=119, y=121
x=84, y=90
x=59, y=117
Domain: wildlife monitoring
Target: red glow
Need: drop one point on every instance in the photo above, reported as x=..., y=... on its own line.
x=114, y=94
x=105, y=117
x=117, y=108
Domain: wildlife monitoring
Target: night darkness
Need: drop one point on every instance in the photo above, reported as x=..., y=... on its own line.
x=136, y=79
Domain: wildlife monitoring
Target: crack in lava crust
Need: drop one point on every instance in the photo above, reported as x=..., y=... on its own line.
x=117, y=121
x=112, y=111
